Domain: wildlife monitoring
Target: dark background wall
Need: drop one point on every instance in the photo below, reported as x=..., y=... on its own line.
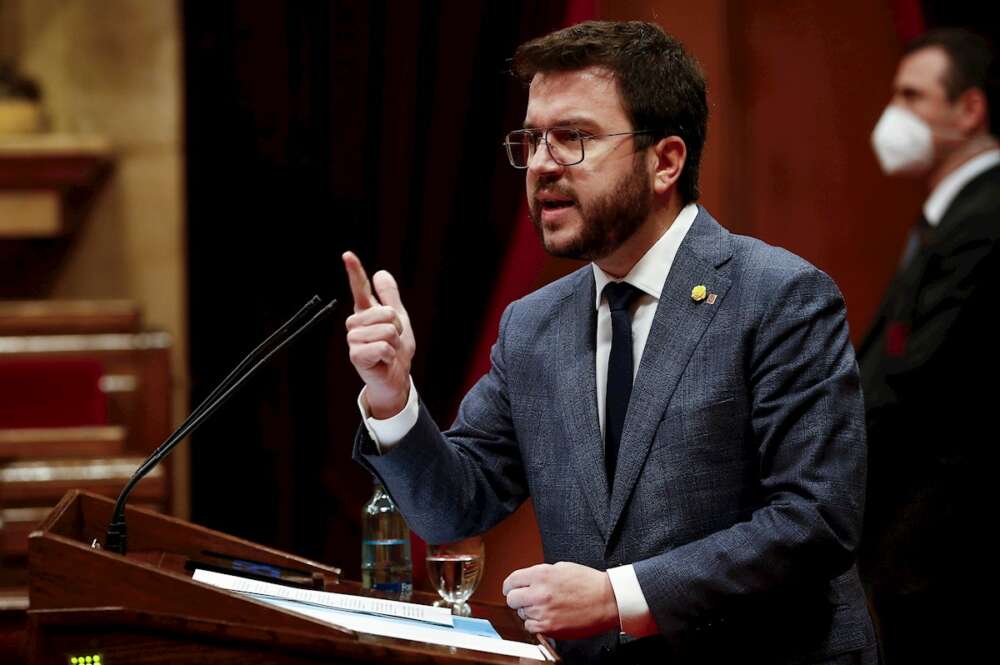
x=313, y=128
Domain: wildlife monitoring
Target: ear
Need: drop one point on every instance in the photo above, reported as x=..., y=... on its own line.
x=670, y=154
x=973, y=111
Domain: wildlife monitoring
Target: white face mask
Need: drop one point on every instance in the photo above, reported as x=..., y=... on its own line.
x=902, y=141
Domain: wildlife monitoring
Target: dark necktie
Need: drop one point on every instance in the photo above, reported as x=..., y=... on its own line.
x=900, y=300
x=619, y=296
x=914, y=242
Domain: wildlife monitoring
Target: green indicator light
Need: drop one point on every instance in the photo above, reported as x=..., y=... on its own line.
x=94, y=659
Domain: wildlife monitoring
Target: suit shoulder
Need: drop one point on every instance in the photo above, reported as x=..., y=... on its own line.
x=756, y=260
x=773, y=282
x=532, y=314
x=552, y=293
x=975, y=211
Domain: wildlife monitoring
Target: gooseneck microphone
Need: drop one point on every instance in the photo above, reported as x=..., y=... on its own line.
x=116, y=538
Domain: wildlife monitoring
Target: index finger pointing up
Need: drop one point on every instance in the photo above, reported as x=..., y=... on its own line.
x=361, y=289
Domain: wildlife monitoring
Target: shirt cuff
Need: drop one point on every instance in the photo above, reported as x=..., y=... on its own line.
x=633, y=611
x=387, y=433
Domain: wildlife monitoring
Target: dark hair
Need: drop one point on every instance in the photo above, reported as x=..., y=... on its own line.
x=662, y=87
x=971, y=64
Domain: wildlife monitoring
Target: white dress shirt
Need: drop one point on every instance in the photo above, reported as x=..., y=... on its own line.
x=648, y=275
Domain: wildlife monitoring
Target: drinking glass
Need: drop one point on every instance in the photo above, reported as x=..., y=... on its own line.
x=455, y=570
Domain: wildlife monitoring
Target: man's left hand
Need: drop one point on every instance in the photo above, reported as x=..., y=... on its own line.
x=564, y=600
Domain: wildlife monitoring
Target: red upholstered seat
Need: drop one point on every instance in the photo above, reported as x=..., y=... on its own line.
x=51, y=392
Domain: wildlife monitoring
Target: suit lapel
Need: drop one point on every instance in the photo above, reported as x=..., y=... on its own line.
x=578, y=401
x=678, y=325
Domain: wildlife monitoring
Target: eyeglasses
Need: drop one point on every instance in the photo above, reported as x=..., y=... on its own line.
x=565, y=144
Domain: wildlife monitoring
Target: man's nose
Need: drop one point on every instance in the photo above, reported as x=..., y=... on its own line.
x=541, y=163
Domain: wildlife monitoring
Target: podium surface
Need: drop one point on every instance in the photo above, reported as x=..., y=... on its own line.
x=144, y=607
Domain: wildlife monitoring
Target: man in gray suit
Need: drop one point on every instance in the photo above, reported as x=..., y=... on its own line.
x=685, y=411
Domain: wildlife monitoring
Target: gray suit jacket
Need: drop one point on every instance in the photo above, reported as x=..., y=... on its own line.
x=740, y=483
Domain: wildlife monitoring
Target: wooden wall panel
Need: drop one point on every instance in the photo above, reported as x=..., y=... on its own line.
x=795, y=88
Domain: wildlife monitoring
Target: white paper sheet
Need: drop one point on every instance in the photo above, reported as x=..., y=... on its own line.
x=409, y=630
x=373, y=616
x=380, y=606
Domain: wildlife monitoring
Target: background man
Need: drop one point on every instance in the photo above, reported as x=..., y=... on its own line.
x=685, y=411
x=931, y=356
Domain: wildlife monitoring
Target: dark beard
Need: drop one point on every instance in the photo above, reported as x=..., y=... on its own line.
x=607, y=221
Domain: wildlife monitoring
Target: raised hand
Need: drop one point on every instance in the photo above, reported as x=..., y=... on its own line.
x=380, y=339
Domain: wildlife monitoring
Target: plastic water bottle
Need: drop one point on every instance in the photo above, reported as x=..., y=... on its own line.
x=385, y=546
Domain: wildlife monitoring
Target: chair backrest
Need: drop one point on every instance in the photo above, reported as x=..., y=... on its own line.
x=51, y=392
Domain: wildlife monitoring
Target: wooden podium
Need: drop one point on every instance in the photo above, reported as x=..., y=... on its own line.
x=145, y=608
